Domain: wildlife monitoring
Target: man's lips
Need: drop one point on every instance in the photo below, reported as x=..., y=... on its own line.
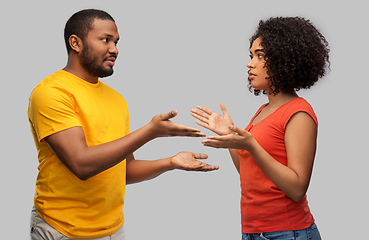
x=110, y=61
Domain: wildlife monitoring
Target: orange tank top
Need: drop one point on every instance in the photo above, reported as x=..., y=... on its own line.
x=264, y=207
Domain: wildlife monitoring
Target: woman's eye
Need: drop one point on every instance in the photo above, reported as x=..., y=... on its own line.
x=105, y=40
x=260, y=56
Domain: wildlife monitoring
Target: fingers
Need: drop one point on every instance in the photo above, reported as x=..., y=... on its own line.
x=167, y=128
x=208, y=168
x=201, y=166
x=200, y=155
x=207, y=110
x=218, y=141
x=188, y=161
x=204, y=109
x=238, y=130
x=182, y=130
x=218, y=138
x=205, y=125
x=223, y=108
x=204, y=117
x=241, y=140
x=167, y=116
x=214, y=143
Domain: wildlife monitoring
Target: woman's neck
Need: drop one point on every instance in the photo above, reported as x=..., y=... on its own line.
x=275, y=101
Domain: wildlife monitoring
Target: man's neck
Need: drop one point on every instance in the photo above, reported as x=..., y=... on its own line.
x=80, y=72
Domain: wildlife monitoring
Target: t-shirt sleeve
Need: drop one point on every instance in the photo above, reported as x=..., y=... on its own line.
x=300, y=106
x=51, y=110
x=128, y=130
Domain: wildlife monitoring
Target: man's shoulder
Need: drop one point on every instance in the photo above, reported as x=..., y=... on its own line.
x=49, y=86
x=53, y=79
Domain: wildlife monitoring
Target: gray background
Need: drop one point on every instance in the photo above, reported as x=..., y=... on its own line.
x=176, y=55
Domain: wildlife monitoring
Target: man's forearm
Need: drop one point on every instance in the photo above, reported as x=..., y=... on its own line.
x=71, y=148
x=141, y=170
x=138, y=170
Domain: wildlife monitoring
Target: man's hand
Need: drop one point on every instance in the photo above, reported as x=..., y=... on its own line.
x=188, y=161
x=213, y=121
x=162, y=126
x=142, y=170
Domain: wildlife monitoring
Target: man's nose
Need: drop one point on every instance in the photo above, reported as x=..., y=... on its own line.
x=113, y=49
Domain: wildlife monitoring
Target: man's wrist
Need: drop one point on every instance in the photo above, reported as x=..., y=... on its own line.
x=151, y=131
x=171, y=165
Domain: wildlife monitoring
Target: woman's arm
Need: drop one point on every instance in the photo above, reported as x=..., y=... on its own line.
x=235, y=159
x=218, y=124
x=300, y=142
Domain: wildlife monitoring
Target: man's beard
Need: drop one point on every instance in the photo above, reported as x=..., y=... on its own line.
x=88, y=62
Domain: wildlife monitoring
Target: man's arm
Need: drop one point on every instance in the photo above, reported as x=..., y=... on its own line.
x=141, y=170
x=71, y=148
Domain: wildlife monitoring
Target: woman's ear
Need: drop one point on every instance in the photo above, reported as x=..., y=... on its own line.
x=75, y=43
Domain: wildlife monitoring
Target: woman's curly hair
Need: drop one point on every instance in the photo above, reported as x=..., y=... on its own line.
x=296, y=53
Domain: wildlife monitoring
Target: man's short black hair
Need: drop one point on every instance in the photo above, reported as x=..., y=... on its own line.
x=81, y=22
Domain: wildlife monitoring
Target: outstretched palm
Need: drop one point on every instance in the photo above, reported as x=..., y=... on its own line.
x=188, y=161
x=162, y=126
x=213, y=121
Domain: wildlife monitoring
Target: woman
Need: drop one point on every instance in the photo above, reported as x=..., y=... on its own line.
x=275, y=153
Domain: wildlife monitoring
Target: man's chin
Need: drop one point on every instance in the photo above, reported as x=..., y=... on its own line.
x=105, y=73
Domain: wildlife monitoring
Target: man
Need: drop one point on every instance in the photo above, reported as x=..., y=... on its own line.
x=85, y=149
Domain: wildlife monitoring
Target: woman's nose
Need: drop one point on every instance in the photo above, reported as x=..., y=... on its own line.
x=250, y=64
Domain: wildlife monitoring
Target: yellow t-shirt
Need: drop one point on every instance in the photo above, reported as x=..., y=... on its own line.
x=78, y=209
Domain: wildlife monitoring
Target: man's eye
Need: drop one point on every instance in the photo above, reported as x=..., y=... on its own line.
x=105, y=39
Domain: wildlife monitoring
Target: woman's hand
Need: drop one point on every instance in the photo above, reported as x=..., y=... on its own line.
x=242, y=139
x=213, y=121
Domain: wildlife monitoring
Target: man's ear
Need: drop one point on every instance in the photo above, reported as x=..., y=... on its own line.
x=75, y=43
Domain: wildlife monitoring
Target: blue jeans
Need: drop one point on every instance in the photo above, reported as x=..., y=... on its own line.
x=310, y=233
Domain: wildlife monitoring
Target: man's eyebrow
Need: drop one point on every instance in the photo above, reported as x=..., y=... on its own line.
x=108, y=35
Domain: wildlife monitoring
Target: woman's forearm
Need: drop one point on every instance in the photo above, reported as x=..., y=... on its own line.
x=235, y=159
x=286, y=179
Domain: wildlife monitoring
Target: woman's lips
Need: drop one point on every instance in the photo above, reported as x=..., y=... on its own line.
x=251, y=76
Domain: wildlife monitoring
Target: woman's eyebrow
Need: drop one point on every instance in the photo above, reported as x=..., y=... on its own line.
x=258, y=50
